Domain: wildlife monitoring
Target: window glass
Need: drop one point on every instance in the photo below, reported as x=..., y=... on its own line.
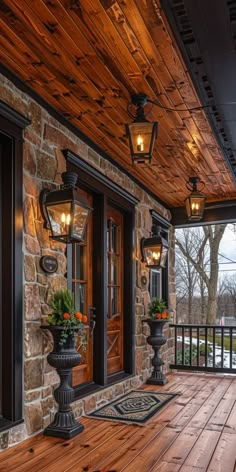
x=155, y=283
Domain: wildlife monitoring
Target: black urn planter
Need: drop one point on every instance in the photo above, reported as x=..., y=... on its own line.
x=156, y=340
x=63, y=358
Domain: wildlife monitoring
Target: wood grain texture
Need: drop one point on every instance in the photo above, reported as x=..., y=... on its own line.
x=174, y=440
x=86, y=57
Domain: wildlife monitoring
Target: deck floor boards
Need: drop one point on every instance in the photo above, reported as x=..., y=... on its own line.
x=195, y=432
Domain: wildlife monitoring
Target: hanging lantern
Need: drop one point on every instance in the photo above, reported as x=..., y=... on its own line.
x=141, y=133
x=195, y=202
x=154, y=249
x=65, y=211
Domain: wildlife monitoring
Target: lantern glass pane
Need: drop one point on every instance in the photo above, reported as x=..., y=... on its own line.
x=79, y=220
x=141, y=137
x=163, y=256
x=153, y=255
x=187, y=205
x=60, y=218
x=195, y=207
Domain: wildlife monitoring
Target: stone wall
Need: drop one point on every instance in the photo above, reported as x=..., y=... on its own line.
x=43, y=164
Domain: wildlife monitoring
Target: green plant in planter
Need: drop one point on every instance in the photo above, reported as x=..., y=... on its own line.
x=157, y=309
x=64, y=314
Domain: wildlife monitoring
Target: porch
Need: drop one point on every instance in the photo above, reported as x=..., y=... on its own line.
x=195, y=432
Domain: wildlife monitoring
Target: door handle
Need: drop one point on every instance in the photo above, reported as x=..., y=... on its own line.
x=92, y=322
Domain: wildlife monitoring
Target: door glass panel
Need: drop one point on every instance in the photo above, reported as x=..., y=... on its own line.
x=114, y=269
x=114, y=308
x=82, y=289
x=114, y=291
x=79, y=294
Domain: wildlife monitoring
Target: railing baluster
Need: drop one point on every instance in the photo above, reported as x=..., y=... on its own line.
x=214, y=336
x=222, y=346
x=206, y=345
x=176, y=344
x=190, y=347
x=198, y=356
x=214, y=347
x=231, y=348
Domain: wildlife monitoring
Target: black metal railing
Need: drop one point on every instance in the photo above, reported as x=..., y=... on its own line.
x=205, y=347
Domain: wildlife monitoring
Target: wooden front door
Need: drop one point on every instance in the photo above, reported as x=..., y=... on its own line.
x=114, y=291
x=82, y=277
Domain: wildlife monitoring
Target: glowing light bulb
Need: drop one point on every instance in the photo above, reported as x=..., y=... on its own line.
x=65, y=222
x=195, y=207
x=140, y=144
x=156, y=256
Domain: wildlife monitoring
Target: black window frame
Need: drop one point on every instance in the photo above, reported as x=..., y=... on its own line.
x=165, y=225
x=11, y=126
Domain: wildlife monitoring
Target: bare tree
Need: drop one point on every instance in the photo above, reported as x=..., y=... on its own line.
x=186, y=275
x=227, y=294
x=208, y=242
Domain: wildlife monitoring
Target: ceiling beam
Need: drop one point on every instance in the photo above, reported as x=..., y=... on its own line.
x=214, y=213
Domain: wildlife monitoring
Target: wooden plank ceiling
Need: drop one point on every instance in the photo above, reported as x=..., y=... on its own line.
x=85, y=58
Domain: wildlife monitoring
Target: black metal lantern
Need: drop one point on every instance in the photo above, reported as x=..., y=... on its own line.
x=65, y=211
x=195, y=202
x=154, y=249
x=141, y=133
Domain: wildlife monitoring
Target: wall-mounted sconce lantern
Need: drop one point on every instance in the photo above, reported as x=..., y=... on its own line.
x=195, y=202
x=141, y=132
x=65, y=211
x=154, y=249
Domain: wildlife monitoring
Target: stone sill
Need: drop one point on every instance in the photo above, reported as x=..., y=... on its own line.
x=89, y=389
x=7, y=424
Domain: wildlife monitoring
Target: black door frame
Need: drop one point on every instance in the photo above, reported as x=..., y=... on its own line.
x=11, y=126
x=107, y=192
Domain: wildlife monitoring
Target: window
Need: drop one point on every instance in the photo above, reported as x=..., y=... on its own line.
x=156, y=283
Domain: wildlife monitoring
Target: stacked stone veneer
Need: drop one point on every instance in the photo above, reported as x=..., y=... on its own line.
x=43, y=164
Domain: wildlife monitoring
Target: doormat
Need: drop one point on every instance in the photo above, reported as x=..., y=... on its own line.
x=135, y=407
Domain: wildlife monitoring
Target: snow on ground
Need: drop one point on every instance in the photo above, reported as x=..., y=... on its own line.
x=226, y=353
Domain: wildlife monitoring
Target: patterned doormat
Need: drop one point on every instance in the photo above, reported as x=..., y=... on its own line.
x=136, y=406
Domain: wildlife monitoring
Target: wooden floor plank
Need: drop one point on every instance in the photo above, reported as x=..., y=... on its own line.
x=221, y=414
x=180, y=449
x=156, y=448
x=203, y=449
x=59, y=449
x=224, y=457
x=166, y=467
x=96, y=453
x=230, y=425
x=203, y=415
x=196, y=432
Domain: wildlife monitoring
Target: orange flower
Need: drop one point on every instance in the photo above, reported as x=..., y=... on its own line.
x=78, y=315
x=84, y=319
x=66, y=316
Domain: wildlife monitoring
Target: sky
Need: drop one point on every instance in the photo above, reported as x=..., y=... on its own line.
x=228, y=249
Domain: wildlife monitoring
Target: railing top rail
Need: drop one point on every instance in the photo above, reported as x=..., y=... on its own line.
x=173, y=325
